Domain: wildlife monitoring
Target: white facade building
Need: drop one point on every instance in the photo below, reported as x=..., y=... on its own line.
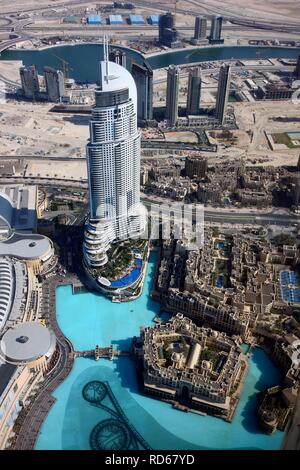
x=113, y=160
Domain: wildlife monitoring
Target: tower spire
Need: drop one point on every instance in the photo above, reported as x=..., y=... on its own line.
x=106, y=57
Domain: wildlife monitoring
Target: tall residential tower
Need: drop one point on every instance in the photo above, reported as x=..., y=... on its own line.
x=168, y=34
x=143, y=77
x=55, y=83
x=172, y=95
x=30, y=82
x=216, y=30
x=113, y=161
x=223, y=92
x=200, y=28
x=194, y=92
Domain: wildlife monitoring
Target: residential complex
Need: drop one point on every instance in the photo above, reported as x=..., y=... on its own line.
x=197, y=367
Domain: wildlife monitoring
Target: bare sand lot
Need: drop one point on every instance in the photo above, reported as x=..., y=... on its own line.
x=31, y=129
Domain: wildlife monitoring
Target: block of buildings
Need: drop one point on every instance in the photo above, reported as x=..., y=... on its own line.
x=197, y=367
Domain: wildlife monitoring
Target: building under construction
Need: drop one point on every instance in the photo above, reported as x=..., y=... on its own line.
x=30, y=82
x=55, y=84
x=274, y=91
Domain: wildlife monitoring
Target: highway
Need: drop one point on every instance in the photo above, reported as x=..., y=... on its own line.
x=225, y=216
x=219, y=215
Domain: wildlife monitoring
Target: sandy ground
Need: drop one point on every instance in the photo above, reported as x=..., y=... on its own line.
x=257, y=117
x=268, y=9
x=54, y=169
x=30, y=129
x=10, y=69
x=189, y=137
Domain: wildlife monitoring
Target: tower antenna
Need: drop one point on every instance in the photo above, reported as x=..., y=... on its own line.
x=106, y=56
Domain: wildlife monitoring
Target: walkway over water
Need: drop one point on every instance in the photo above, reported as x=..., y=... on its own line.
x=98, y=353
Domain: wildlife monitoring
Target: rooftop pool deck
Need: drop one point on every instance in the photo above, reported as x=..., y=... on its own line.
x=88, y=319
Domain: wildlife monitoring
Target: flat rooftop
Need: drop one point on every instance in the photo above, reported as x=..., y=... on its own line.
x=18, y=205
x=25, y=246
x=6, y=373
x=27, y=342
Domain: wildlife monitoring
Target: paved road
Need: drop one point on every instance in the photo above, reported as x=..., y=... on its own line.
x=229, y=217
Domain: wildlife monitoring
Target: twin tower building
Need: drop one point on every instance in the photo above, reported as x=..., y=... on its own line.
x=113, y=162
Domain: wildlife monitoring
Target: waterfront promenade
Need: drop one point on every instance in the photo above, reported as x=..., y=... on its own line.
x=31, y=420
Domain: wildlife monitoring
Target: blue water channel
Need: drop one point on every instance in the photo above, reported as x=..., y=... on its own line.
x=88, y=319
x=83, y=59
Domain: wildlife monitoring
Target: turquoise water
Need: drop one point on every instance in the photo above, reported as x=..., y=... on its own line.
x=83, y=59
x=88, y=319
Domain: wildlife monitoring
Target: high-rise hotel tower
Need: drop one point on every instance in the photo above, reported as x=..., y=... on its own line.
x=113, y=161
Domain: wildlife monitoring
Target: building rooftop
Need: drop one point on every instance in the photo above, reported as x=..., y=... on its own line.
x=26, y=246
x=27, y=342
x=18, y=206
x=94, y=19
x=6, y=373
x=136, y=19
x=13, y=290
x=117, y=79
x=113, y=19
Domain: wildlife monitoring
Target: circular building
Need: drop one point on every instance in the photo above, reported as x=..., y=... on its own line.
x=29, y=343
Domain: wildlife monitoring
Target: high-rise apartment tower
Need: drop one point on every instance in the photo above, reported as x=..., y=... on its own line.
x=194, y=92
x=55, y=83
x=223, y=92
x=172, y=94
x=216, y=29
x=29, y=81
x=113, y=161
x=200, y=27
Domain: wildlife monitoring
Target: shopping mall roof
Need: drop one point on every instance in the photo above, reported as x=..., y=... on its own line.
x=27, y=342
x=26, y=246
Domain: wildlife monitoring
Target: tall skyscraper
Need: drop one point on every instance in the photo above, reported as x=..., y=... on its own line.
x=29, y=81
x=200, y=27
x=297, y=71
x=172, y=94
x=216, y=29
x=113, y=162
x=143, y=77
x=55, y=83
x=168, y=35
x=194, y=92
x=118, y=56
x=223, y=92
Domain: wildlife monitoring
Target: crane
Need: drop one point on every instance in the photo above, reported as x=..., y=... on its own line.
x=65, y=66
